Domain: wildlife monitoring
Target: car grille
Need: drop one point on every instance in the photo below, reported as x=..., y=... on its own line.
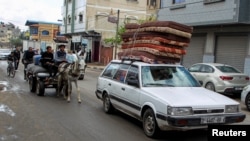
x=208, y=111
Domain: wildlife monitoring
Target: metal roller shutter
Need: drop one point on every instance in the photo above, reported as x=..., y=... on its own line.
x=195, y=51
x=231, y=50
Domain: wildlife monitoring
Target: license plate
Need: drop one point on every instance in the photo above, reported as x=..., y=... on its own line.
x=238, y=88
x=212, y=119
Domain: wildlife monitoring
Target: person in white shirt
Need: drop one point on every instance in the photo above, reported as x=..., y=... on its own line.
x=74, y=55
x=69, y=57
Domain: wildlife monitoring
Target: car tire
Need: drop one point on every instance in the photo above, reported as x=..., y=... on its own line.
x=247, y=101
x=40, y=89
x=32, y=84
x=150, y=126
x=107, y=105
x=210, y=86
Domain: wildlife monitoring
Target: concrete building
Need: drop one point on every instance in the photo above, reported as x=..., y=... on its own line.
x=221, y=30
x=91, y=21
x=42, y=34
x=7, y=32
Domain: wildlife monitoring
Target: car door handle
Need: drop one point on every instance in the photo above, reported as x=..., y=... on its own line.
x=109, y=84
x=123, y=89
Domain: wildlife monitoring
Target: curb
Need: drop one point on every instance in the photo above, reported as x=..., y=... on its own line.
x=94, y=67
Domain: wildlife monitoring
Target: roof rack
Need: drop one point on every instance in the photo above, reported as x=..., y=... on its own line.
x=131, y=58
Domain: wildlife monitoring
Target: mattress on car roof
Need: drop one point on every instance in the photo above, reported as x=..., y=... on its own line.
x=154, y=40
x=171, y=24
x=128, y=36
x=148, y=57
x=166, y=49
x=164, y=30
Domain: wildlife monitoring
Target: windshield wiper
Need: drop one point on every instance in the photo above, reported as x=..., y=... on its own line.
x=157, y=84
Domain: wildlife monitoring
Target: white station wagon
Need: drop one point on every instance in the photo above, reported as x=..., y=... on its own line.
x=163, y=96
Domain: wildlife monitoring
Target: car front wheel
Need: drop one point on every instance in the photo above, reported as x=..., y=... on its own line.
x=150, y=126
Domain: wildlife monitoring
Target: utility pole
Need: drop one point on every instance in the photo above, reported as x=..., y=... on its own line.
x=116, y=36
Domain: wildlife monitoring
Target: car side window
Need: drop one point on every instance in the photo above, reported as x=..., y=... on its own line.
x=111, y=70
x=132, y=72
x=195, y=68
x=121, y=73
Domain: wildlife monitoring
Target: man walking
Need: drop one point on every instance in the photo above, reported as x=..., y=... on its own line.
x=27, y=59
x=17, y=55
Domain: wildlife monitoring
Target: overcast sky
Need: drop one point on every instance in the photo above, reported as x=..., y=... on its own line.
x=19, y=11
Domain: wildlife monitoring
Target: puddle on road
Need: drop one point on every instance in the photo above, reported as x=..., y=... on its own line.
x=7, y=110
x=4, y=86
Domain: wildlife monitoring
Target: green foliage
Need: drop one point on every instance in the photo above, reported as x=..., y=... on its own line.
x=113, y=40
x=16, y=42
x=121, y=30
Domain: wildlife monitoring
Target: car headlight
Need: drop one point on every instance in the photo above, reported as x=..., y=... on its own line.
x=232, y=108
x=179, y=111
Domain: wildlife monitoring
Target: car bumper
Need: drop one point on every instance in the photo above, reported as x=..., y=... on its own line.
x=188, y=123
x=230, y=89
x=196, y=121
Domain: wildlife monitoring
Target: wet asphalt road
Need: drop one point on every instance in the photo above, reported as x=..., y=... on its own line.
x=25, y=116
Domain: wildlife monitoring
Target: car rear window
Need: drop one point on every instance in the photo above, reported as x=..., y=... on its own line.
x=227, y=69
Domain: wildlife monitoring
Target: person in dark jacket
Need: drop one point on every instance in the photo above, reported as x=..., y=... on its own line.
x=27, y=59
x=60, y=55
x=17, y=55
x=11, y=58
x=47, y=61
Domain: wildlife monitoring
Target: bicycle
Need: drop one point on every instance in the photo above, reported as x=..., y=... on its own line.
x=11, y=69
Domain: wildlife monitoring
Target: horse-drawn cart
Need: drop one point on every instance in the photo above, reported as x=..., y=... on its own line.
x=38, y=80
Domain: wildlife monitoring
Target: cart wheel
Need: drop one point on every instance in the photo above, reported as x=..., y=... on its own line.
x=40, y=88
x=32, y=84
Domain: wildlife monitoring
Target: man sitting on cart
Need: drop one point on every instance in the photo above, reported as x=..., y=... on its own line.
x=47, y=61
x=60, y=55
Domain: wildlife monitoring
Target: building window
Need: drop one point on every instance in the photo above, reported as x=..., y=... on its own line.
x=178, y=1
x=80, y=17
x=69, y=19
x=151, y=3
x=33, y=31
x=45, y=32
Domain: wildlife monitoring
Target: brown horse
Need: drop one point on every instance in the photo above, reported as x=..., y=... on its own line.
x=69, y=73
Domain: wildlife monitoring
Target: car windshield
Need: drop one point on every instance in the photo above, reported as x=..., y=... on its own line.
x=167, y=76
x=227, y=69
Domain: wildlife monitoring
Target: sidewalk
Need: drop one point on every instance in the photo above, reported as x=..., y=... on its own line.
x=96, y=65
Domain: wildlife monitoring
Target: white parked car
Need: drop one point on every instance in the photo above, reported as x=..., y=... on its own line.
x=245, y=96
x=4, y=53
x=219, y=77
x=163, y=96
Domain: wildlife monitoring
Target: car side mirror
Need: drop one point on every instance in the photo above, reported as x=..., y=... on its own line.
x=133, y=81
x=201, y=83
